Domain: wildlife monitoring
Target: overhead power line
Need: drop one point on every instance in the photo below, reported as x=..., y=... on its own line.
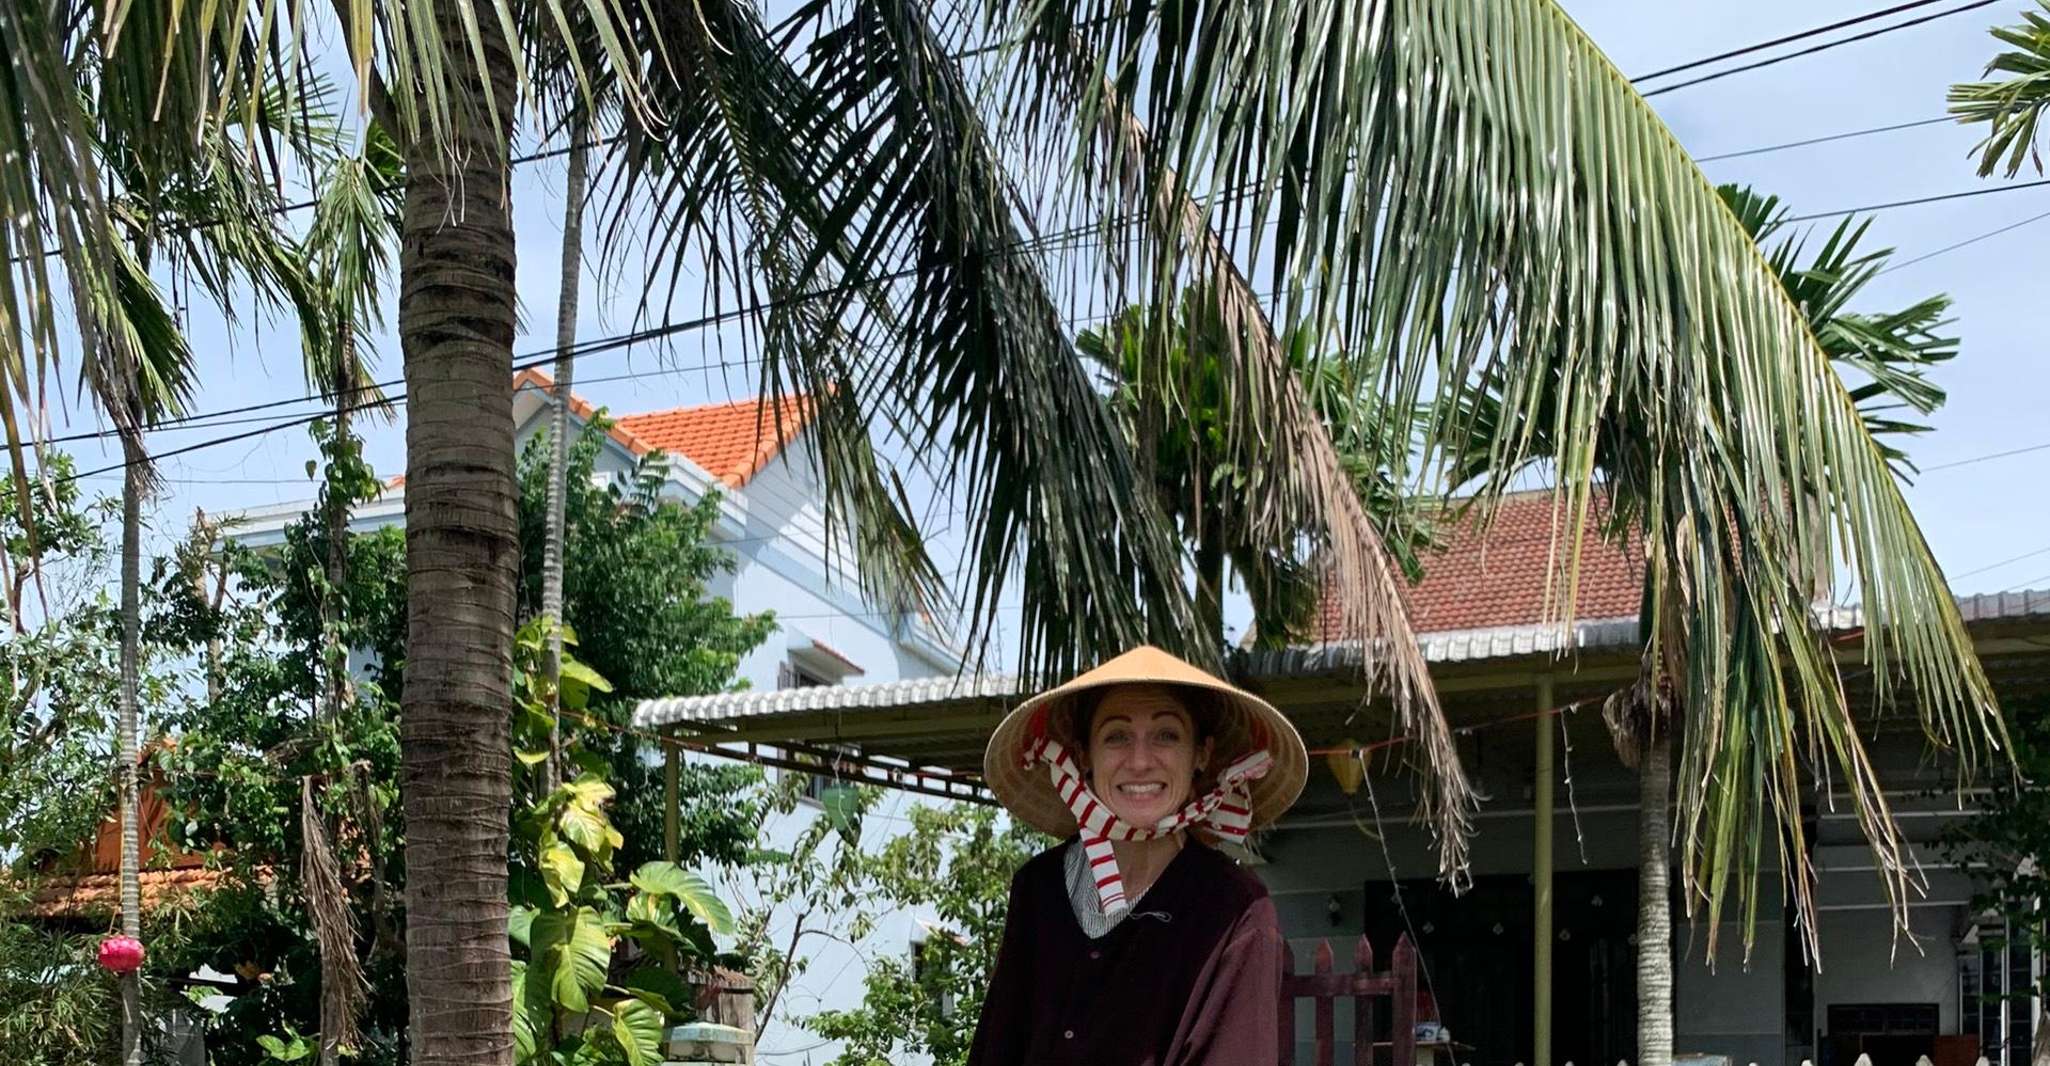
x=1812, y=50
x=1918, y=201
x=1965, y=243
x=1788, y=39
x=1847, y=135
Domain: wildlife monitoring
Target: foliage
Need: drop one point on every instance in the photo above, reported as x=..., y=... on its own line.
x=633, y=558
x=2011, y=107
x=816, y=885
x=56, y=1008
x=1174, y=410
x=636, y=574
x=1757, y=696
x=2005, y=843
x=598, y=982
x=955, y=862
x=58, y=669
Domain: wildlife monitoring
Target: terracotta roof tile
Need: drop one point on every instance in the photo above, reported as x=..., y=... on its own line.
x=1501, y=578
x=730, y=441
x=86, y=895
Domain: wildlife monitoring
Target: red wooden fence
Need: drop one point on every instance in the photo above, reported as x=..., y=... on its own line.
x=1366, y=988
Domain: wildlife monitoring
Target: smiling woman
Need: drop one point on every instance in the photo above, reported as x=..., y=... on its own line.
x=1134, y=940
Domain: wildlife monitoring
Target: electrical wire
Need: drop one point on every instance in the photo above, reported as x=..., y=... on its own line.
x=1824, y=47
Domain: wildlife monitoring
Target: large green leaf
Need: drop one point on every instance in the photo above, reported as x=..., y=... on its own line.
x=688, y=888
x=2012, y=107
x=521, y=925
x=525, y=1021
x=562, y=871
x=638, y=1029
x=572, y=951
x=1471, y=193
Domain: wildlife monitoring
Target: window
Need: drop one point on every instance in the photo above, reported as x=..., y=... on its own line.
x=1996, y=990
x=924, y=966
x=791, y=674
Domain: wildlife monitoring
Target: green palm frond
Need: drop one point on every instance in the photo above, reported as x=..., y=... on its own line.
x=2012, y=106
x=347, y=260
x=1473, y=193
x=1892, y=352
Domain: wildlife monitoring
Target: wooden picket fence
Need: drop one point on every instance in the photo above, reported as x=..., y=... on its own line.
x=1366, y=988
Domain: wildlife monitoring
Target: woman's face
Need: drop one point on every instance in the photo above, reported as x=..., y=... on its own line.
x=1143, y=753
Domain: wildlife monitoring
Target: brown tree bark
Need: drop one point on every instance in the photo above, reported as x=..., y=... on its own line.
x=456, y=325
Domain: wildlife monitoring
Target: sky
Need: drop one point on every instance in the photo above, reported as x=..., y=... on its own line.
x=1979, y=513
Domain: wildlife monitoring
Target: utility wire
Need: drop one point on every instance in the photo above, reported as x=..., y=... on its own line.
x=1788, y=39
x=1824, y=47
x=1918, y=201
x=1963, y=243
x=1720, y=156
x=1984, y=458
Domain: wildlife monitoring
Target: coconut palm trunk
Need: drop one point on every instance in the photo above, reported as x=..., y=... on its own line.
x=456, y=322
x=558, y=431
x=1654, y=905
x=133, y=485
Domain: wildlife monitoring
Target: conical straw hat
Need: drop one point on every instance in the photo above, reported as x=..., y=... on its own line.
x=1245, y=722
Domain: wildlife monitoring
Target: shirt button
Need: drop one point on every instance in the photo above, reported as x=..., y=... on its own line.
x=1096, y=954
x=1069, y=1035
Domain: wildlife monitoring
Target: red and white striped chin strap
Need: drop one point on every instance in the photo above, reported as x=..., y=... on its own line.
x=1227, y=810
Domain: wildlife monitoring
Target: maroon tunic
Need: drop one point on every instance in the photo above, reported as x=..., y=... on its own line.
x=1189, y=978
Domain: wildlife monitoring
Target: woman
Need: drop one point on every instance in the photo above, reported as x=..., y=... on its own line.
x=1134, y=942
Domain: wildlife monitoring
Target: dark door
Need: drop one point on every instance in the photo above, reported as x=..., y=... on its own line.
x=1477, y=956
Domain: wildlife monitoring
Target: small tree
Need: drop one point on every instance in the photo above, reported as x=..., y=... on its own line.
x=596, y=982
x=956, y=862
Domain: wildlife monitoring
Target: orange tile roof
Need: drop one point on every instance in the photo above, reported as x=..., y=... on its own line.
x=730, y=441
x=88, y=881
x=1501, y=578
x=89, y=895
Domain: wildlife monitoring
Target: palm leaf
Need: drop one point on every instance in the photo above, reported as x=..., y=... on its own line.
x=2011, y=107
x=1471, y=192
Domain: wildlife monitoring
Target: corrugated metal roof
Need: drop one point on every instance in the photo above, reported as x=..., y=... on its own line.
x=1476, y=645
x=754, y=704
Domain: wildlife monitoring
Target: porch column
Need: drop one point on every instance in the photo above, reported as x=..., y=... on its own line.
x=1541, y=882
x=672, y=783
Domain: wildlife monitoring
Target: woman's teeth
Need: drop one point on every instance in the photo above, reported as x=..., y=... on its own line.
x=1141, y=790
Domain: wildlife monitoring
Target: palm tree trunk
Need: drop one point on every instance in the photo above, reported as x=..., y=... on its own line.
x=1654, y=904
x=127, y=742
x=457, y=316
x=336, y=1001
x=337, y=518
x=558, y=438
x=1210, y=580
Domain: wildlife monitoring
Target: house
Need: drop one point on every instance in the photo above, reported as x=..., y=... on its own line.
x=83, y=889
x=758, y=458
x=1348, y=860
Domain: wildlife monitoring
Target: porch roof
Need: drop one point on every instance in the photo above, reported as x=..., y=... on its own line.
x=932, y=730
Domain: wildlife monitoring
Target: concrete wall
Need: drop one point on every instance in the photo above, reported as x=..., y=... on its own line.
x=1863, y=962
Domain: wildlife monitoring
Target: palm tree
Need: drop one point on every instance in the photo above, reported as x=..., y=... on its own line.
x=1175, y=423
x=142, y=370
x=348, y=250
x=1461, y=188
x=1890, y=354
